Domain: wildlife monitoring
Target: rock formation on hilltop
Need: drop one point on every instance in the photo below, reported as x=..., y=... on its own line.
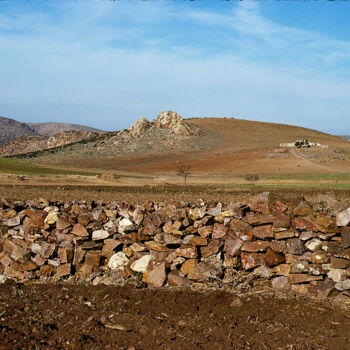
x=169, y=120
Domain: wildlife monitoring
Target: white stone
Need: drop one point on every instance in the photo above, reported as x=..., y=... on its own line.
x=99, y=234
x=125, y=225
x=141, y=264
x=343, y=218
x=344, y=285
x=313, y=245
x=118, y=261
x=51, y=218
x=337, y=275
x=36, y=248
x=2, y=279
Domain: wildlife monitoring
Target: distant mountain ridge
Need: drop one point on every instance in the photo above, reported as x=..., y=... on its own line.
x=53, y=128
x=346, y=137
x=11, y=129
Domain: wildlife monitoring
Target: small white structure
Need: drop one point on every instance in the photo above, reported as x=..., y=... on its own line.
x=302, y=144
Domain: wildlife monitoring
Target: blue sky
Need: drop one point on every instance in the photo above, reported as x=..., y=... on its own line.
x=107, y=63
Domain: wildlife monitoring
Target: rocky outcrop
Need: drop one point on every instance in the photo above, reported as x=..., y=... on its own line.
x=169, y=120
x=140, y=127
x=174, y=122
x=36, y=143
x=271, y=244
x=11, y=129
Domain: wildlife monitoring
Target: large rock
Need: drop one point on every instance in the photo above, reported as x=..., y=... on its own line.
x=140, y=127
x=174, y=122
x=141, y=265
x=156, y=277
x=337, y=275
x=343, y=218
x=118, y=261
x=125, y=225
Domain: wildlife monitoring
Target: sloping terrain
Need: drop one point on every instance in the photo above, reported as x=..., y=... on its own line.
x=49, y=129
x=34, y=143
x=11, y=129
x=216, y=146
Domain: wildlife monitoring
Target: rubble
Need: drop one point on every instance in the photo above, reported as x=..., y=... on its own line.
x=162, y=244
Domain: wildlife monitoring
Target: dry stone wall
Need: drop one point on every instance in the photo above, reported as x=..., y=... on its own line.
x=269, y=244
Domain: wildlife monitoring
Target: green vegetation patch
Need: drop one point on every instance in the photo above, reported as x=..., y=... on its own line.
x=15, y=166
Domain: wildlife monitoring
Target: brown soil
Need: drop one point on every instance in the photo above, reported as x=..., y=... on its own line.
x=109, y=317
x=162, y=193
x=231, y=147
x=224, y=146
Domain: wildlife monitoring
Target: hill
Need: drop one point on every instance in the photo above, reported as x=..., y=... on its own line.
x=34, y=143
x=53, y=128
x=11, y=129
x=216, y=146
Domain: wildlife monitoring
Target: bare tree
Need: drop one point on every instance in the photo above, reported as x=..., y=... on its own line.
x=252, y=178
x=184, y=172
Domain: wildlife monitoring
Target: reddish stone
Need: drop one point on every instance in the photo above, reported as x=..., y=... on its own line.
x=65, y=255
x=206, y=270
x=156, y=277
x=303, y=278
x=325, y=223
x=241, y=229
x=47, y=270
x=338, y=263
x=37, y=217
x=295, y=246
x=345, y=235
x=286, y=234
x=303, y=209
x=259, y=203
x=39, y=260
x=205, y=231
x=158, y=247
x=233, y=246
x=279, y=208
x=251, y=260
x=320, y=257
x=260, y=219
x=198, y=241
x=187, y=252
x=219, y=231
x=171, y=239
x=176, y=279
x=188, y=266
x=256, y=246
x=278, y=246
x=62, y=223
x=80, y=230
x=326, y=288
x=212, y=248
x=304, y=224
x=272, y=258
x=93, y=257
x=263, y=232
x=281, y=221
x=63, y=271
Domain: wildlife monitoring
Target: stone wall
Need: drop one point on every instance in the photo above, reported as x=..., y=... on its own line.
x=304, y=248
